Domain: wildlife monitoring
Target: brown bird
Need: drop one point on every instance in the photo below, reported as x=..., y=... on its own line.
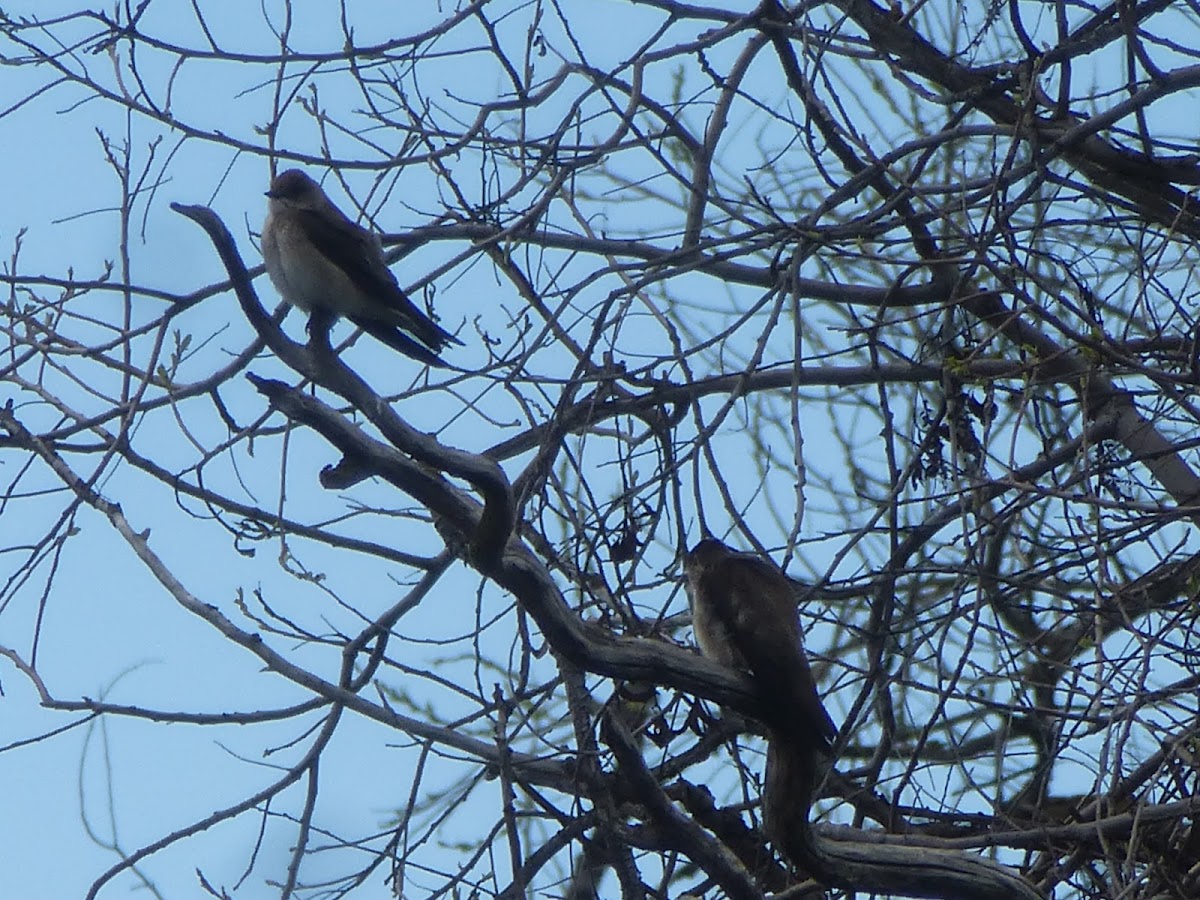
x=744, y=616
x=328, y=266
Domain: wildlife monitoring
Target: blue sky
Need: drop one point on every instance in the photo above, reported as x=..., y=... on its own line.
x=107, y=627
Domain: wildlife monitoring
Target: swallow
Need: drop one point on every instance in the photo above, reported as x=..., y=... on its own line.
x=326, y=265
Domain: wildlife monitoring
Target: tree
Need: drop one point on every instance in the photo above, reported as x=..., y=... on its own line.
x=899, y=297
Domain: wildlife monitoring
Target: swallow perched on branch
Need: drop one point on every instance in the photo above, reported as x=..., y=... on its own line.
x=328, y=266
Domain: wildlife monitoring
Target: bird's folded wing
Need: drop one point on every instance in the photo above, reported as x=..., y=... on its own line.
x=756, y=604
x=353, y=250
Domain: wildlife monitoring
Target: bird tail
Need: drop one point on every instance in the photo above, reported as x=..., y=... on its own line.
x=402, y=343
x=430, y=333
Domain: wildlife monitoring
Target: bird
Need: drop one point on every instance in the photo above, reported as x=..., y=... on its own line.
x=635, y=704
x=328, y=266
x=744, y=617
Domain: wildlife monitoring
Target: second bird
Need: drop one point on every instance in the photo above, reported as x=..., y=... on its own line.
x=328, y=266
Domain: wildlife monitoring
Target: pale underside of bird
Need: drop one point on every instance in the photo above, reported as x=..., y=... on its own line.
x=325, y=264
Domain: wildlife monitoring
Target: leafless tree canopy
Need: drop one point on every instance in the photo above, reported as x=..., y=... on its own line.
x=901, y=295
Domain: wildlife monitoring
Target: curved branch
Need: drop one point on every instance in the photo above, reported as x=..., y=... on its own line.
x=862, y=864
x=327, y=370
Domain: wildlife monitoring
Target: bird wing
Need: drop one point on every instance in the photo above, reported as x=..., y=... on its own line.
x=353, y=250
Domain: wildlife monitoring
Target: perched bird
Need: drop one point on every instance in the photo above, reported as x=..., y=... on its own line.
x=635, y=704
x=744, y=616
x=328, y=266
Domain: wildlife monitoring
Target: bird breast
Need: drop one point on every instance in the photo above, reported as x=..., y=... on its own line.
x=305, y=277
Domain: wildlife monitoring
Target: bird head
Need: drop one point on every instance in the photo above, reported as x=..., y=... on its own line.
x=294, y=188
x=706, y=554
